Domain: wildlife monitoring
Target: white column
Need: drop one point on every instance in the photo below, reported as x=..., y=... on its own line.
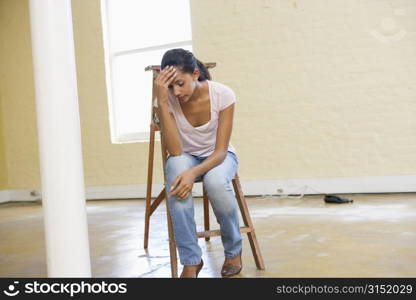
x=63, y=191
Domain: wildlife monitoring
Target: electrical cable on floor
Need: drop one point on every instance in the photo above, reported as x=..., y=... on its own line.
x=328, y=198
x=293, y=194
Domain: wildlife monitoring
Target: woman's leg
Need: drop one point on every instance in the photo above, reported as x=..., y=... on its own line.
x=182, y=211
x=217, y=183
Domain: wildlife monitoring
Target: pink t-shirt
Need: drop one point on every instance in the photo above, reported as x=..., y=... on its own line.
x=200, y=141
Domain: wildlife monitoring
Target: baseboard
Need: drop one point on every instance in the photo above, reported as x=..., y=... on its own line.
x=345, y=185
x=341, y=185
x=4, y=196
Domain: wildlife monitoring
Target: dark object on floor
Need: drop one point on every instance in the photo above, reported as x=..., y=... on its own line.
x=336, y=199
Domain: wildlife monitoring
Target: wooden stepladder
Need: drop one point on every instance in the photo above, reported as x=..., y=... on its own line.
x=248, y=227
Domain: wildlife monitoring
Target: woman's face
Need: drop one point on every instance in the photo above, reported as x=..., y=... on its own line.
x=183, y=85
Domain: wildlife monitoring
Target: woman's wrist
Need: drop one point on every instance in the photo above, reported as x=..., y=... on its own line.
x=194, y=171
x=162, y=102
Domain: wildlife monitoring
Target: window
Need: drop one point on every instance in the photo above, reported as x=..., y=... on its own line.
x=136, y=34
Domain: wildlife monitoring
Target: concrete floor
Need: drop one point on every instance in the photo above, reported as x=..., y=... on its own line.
x=373, y=237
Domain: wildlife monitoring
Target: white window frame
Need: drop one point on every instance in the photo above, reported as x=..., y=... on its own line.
x=109, y=55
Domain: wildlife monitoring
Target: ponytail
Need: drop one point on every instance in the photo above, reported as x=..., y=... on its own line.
x=204, y=73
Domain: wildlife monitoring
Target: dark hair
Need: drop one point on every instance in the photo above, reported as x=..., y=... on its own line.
x=185, y=61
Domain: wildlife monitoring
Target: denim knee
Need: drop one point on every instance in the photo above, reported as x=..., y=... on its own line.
x=175, y=165
x=178, y=163
x=220, y=193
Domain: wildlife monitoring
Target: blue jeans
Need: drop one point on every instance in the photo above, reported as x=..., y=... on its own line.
x=217, y=183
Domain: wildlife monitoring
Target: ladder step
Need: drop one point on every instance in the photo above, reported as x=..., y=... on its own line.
x=157, y=201
x=209, y=233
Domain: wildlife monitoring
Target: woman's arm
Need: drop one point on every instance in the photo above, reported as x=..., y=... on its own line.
x=169, y=130
x=225, y=126
x=167, y=121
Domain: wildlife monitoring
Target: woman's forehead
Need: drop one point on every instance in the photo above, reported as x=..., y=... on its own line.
x=182, y=75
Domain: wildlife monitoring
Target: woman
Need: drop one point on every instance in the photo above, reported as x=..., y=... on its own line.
x=196, y=116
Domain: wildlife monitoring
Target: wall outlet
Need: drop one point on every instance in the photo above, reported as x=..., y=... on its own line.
x=280, y=191
x=34, y=193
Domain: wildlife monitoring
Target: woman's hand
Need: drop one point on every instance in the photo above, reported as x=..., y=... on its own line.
x=162, y=82
x=182, y=185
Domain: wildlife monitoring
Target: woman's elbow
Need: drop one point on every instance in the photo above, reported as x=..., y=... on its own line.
x=222, y=154
x=175, y=151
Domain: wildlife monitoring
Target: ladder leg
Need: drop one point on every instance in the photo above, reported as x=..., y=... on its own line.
x=206, y=212
x=149, y=186
x=255, y=248
x=172, y=244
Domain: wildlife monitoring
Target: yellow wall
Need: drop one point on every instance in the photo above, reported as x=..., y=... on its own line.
x=318, y=94
x=3, y=165
x=18, y=110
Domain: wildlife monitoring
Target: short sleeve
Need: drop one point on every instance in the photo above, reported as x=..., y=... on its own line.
x=227, y=98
